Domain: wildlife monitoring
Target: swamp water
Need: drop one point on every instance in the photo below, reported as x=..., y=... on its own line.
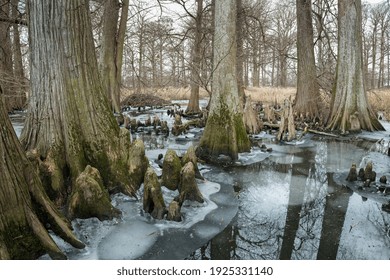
x=291, y=205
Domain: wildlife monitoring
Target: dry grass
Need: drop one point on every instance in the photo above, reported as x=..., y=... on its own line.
x=267, y=95
x=270, y=95
x=380, y=101
x=167, y=93
x=379, y=98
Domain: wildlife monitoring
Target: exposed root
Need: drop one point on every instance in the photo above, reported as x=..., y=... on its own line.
x=41, y=233
x=59, y=224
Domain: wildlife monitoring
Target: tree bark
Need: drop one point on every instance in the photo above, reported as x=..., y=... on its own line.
x=6, y=70
x=121, y=41
x=374, y=47
x=22, y=234
x=69, y=122
x=240, y=51
x=307, y=100
x=112, y=49
x=18, y=70
x=193, y=104
x=349, y=101
x=17, y=48
x=225, y=131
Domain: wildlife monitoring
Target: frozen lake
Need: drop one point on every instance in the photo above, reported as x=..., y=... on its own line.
x=292, y=205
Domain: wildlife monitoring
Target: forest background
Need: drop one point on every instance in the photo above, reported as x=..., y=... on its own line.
x=159, y=42
x=135, y=47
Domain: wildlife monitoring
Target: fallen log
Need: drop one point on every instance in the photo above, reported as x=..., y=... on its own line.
x=322, y=133
x=276, y=125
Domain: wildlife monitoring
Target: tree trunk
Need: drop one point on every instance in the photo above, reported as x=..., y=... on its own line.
x=307, y=100
x=225, y=131
x=193, y=104
x=108, y=50
x=6, y=58
x=349, y=104
x=120, y=42
x=381, y=76
x=113, y=38
x=282, y=70
x=240, y=52
x=21, y=81
x=140, y=55
x=256, y=75
x=69, y=122
x=374, y=43
x=22, y=234
x=17, y=49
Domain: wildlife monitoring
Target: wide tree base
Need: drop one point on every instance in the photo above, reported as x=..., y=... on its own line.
x=223, y=139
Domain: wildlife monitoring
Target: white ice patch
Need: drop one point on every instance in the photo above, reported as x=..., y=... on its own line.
x=380, y=162
x=135, y=233
x=192, y=212
x=361, y=239
x=254, y=156
x=377, y=135
x=128, y=241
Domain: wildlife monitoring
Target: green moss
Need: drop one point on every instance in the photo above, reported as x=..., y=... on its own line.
x=171, y=170
x=243, y=141
x=153, y=200
x=224, y=134
x=21, y=242
x=89, y=197
x=137, y=163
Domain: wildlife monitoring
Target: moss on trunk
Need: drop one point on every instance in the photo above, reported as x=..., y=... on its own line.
x=24, y=205
x=225, y=131
x=69, y=121
x=223, y=136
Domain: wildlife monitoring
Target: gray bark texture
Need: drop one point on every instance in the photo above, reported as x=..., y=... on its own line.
x=69, y=122
x=307, y=100
x=22, y=231
x=349, y=101
x=225, y=131
x=193, y=105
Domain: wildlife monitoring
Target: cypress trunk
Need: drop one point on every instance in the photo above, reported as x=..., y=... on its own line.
x=307, y=101
x=225, y=131
x=350, y=110
x=193, y=104
x=22, y=231
x=69, y=122
x=113, y=39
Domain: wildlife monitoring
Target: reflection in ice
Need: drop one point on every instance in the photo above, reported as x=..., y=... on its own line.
x=290, y=203
x=365, y=231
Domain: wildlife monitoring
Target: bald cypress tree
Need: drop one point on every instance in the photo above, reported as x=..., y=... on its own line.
x=307, y=100
x=69, y=122
x=225, y=132
x=25, y=209
x=350, y=110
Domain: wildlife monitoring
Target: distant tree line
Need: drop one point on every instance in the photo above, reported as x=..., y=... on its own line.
x=169, y=43
x=81, y=52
